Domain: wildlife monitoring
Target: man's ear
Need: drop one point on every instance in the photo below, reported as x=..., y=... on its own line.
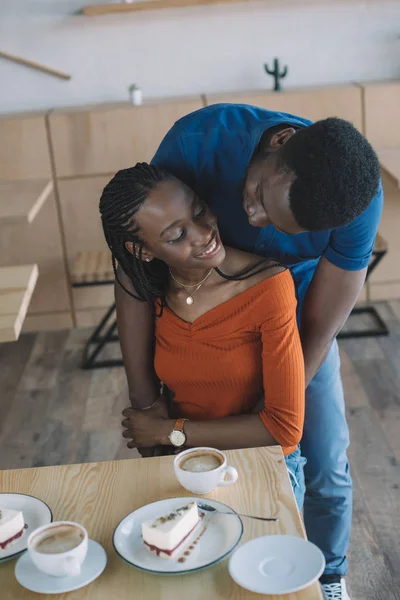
x=133, y=249
x=280, y=138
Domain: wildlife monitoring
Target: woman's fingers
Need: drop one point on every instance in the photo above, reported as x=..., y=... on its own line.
x=127, y=412
x=128, y=433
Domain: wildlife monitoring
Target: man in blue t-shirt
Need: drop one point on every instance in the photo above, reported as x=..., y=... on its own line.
x=309, y=196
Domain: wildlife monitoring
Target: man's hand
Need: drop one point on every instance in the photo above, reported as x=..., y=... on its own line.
x=145, y=428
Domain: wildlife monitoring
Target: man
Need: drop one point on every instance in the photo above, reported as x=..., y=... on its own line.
x=308, y=195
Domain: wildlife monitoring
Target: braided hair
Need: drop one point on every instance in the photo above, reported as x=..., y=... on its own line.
x=121, y=199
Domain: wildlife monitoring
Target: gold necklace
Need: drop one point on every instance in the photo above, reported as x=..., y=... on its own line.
x=197, y=286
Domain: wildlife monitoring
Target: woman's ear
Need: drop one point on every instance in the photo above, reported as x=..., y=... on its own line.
x=133, y=249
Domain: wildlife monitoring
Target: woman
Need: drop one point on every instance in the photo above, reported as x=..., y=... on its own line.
x=225, y=324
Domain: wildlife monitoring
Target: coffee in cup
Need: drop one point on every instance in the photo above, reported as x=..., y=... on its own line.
x=201, y=470
x=59, y=548
x=200, y=461
x=58, y=539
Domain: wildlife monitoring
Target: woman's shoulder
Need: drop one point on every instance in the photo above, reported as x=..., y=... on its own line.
x=254, y=267
x=271, y=282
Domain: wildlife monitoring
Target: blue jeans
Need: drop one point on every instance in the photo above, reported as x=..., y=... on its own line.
x=295, y=466
x=328, y=499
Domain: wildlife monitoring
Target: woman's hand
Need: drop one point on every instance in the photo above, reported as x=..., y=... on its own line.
x=147, y=428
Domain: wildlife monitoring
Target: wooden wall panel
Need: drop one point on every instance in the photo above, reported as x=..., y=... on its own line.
x=104, y=139
x=384, y=291
x=39, y=242
x=343, y=101
x=47, y=322
x=79, y=200
x=93, y=297
x=382, y=113
x=386, y=276
x=89, y=317
x=24, y=152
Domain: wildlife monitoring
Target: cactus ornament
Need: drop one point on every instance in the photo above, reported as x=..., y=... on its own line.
x=277, y=74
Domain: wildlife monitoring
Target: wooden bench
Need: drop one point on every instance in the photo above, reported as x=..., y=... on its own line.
x=16, y=288
x=379, y=251
x=92, y=269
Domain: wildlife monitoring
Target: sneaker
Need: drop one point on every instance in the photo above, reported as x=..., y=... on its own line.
x=335, y=590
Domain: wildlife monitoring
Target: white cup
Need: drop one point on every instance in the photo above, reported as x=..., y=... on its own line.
x=204, y=482
x=58, y=564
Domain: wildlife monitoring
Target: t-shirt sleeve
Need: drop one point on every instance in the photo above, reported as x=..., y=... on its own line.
x=172, y=155
x=350, y=247
x=283, y=365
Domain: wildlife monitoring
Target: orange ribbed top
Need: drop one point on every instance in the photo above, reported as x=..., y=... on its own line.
x=219, y=365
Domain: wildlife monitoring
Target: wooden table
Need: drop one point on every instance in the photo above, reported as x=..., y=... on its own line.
x=99, y=495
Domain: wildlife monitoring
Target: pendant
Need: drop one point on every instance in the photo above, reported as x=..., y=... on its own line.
x=189, y=300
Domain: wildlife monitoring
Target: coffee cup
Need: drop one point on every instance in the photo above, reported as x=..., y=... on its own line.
x=59, y=548
x=201, y=470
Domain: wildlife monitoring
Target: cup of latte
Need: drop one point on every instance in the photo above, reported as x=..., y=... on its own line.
x=201, y=470
x=58, y=548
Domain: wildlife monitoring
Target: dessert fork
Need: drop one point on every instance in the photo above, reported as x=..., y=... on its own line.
x=211, y=509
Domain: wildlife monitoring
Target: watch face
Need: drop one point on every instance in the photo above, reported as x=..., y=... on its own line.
x=177, y=438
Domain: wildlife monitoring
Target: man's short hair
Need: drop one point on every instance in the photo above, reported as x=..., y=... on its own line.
x=337, y=174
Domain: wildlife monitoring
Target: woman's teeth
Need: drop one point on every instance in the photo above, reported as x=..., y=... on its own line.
x=210, y=249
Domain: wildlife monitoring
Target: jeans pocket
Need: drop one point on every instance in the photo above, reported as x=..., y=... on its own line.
x=295, y=466
x=293, y=479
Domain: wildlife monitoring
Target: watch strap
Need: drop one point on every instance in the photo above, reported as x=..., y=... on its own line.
x=179, y=424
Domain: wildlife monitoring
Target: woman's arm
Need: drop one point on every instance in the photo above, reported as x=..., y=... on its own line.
x=136, y=335
x=281, y=420
x=244, y=431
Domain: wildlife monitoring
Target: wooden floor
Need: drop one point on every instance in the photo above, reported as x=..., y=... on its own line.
x=52, y=412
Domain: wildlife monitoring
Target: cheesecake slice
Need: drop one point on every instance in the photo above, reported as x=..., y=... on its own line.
x=168, y=535
x=12, y=526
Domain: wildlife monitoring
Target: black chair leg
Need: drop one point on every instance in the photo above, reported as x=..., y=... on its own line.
x=98, y=340
x=379, y=330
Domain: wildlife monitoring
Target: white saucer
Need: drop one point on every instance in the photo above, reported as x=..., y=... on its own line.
x=276, y=564
x=222, y=535
x=36, y=513
x=34, y=580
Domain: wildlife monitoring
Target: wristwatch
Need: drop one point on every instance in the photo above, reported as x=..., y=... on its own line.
x=177, y=437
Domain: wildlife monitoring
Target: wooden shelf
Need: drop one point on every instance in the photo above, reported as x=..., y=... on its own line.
x=22, y=200
x=16, y=289
x=389, y=159
x=96, y=10
x=34, y=65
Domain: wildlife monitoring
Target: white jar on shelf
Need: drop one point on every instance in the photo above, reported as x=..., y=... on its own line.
x=136, y=94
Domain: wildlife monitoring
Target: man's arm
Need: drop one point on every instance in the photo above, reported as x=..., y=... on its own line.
x=337, y=283
x=136, y=334
x=329, y=300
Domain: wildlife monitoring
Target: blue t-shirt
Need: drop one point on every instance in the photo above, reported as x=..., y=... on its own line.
x=210, y=151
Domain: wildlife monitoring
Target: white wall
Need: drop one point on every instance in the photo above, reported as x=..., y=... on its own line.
x=190, y=51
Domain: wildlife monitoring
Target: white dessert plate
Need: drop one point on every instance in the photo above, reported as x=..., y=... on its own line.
x=276, y=564
x=36, y=513
x=36, y=581
x=221, y=535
